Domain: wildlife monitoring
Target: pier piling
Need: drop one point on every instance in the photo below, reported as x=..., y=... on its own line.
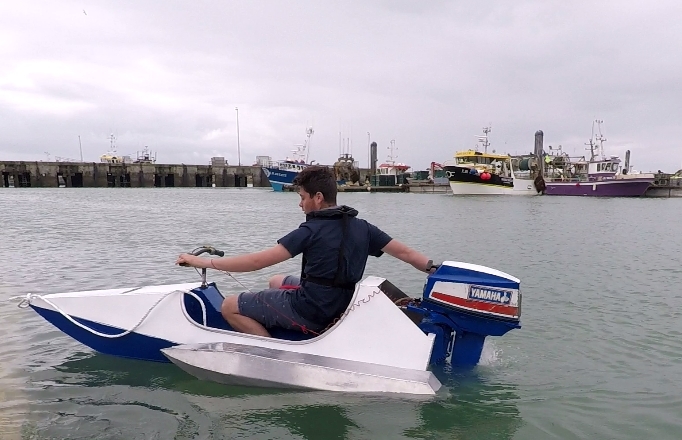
x=126, y=175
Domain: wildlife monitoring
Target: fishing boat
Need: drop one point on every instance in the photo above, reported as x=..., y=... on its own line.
x=112, y=156
x=390, y=172
x=385, y=341
x=346, y=170
x=281, y=173
x=600, y=176
x=145, y=156
x=434, y=175
x=473, y=172
x=526, y=173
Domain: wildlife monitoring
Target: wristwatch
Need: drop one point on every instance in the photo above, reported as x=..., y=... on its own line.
x=429, y=266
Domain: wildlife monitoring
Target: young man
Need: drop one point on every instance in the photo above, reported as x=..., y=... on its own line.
x=335, y=245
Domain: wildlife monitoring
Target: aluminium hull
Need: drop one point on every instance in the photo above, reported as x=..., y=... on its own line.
x=236, y=364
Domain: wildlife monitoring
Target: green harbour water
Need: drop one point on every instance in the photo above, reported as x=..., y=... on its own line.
x=599, y=354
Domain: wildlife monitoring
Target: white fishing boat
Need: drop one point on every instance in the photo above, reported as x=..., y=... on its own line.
x=474, y=172
x=112, y=156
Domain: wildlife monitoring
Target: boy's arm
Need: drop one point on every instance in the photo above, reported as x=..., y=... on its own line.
x=239, y=263
x=402, y=252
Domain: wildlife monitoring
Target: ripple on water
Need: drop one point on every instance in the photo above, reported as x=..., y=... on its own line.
x=598, y=354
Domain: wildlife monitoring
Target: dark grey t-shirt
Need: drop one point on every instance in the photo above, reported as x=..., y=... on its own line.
x=318, y=239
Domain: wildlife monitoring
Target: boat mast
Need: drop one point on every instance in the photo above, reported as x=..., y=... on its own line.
x=593, y=145
x=484, y=139
x=601, y=139
x=112, y=147
x=390, y=157
x=309, y=132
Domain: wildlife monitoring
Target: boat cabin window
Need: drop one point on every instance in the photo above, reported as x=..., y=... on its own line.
x=607, y=166
x=291, y=166
x=474, y=159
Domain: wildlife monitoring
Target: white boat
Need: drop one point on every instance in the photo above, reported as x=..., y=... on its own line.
x=390, y=173
x=384, y=342
x=473, y=172
x=112, y=156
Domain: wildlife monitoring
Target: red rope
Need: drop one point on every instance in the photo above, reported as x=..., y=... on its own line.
x=303, y=328
x=306, y=330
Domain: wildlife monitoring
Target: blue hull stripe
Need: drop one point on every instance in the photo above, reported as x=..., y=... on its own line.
x=132, y=345
x=279, y=178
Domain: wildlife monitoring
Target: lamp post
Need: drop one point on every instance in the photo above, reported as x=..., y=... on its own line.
x=369, y=153
x=239, y=154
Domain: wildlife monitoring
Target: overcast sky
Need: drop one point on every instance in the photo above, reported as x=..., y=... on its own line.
x=428, y=74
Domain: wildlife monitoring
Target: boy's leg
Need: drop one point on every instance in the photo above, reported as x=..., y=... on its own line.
x=244, y=324
x=277, y=281
x=254, y=313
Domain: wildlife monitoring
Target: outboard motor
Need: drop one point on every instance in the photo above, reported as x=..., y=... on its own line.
x=464, y=303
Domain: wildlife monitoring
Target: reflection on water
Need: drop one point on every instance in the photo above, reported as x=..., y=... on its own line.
x=312, y=422
x=87, y=391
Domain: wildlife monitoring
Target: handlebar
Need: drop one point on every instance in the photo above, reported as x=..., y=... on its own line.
x=205, y=250
x=208, y=250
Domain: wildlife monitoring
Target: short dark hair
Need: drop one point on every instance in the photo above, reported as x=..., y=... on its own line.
x=318, y=178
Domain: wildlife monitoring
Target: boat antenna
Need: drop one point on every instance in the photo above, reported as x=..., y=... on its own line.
x=601, y=139
x=112, y=138
x=350, y=141
x=309, y=132
x=391, y=158
x=593, y=146
x=484, y=139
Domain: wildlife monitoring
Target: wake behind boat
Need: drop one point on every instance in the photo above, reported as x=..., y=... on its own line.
x=385, y=341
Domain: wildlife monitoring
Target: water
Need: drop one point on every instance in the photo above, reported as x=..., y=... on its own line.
x=598, y=356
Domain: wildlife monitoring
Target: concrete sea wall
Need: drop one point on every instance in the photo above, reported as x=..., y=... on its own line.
x=136, y=175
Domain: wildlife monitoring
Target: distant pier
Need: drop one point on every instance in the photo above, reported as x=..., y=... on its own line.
x=22, y=174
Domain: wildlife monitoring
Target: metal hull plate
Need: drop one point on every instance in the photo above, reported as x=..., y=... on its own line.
x=236, y=364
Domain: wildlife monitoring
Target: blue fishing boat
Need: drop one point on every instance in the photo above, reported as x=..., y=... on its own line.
x=281, y=173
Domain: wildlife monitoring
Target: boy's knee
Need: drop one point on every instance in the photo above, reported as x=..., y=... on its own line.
x=230, y=306
x=276, y=281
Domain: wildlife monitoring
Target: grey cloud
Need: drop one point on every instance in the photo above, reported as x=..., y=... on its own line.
x=428, y=74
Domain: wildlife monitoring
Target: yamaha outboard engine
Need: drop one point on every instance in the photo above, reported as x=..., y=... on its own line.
x=464, y=303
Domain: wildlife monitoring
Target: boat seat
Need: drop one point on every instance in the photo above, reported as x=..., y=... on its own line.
x=213, y=300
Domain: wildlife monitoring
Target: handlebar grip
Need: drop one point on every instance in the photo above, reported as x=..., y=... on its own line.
x=184, y=264
x=219, y=253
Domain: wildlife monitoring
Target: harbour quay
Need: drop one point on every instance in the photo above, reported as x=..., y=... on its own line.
x=21, y=174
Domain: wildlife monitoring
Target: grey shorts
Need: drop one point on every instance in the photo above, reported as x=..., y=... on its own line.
x=272, y=308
